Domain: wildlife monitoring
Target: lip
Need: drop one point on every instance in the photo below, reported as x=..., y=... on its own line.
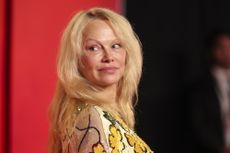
x=108, y=69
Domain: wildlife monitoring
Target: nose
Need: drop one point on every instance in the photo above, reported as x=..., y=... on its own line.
x=107, y=57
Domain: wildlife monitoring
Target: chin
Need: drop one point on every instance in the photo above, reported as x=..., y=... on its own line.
x=107, y=83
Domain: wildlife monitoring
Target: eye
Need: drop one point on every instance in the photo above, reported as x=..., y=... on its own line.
x=116, y=46
x=93, y=48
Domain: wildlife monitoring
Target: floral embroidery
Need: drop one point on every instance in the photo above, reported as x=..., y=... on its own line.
x=115, y=139
x=122, y=123
x=120, y=137
x=98, y=148
x=109, y=117
x=138, y=144
x=116, y=119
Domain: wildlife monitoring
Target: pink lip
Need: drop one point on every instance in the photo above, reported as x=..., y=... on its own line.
x=108, y=69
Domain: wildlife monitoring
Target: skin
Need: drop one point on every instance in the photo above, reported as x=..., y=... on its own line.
x=104, y=57
x=222, y=52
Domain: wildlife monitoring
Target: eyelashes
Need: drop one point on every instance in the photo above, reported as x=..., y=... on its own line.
x=94, y=48
x=116, y=46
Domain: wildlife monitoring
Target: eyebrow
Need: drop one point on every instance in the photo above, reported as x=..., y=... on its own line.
x=91, y=39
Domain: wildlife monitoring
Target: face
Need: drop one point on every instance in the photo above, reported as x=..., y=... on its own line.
x=103, y=61
x=222, y=52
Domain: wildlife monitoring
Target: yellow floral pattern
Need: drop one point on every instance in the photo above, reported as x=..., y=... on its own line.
x=115, y=140
x=122, y=123
x=115, y=119
x=121, y=139
x=98, y=131
x=139, y=145
x=98, y=148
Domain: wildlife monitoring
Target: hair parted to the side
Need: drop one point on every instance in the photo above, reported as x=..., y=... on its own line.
x=72, y=88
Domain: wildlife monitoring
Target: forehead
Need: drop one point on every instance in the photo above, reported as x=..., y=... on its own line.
x=99, y=30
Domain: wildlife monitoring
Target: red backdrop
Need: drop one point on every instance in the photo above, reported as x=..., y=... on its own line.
x=2, y=92
x=36, y=30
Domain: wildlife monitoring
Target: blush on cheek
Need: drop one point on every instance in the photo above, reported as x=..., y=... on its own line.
x=82, y=64
x=84, y=61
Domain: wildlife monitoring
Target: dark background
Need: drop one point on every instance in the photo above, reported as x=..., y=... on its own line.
x=173, y=35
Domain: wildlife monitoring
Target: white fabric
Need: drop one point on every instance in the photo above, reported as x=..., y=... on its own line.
x=222, y=77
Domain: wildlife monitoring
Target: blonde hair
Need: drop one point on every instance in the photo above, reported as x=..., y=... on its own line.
x=72, y=88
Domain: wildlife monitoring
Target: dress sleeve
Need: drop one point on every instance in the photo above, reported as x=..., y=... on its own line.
x=89, y=135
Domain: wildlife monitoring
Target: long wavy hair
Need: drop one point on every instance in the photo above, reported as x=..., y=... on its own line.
x=72, y=88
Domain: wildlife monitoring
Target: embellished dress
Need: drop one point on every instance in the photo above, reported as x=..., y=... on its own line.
x=98, y=131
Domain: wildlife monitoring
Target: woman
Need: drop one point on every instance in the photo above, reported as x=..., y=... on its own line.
x=99, y=68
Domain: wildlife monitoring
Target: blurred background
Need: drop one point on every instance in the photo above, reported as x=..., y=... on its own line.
x=172, y=34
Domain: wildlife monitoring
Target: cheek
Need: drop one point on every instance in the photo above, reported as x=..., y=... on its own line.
x=123, y=59
x=86, y=67
x=87, y=62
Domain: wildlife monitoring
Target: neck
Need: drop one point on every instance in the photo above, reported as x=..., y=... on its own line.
x=109, y=93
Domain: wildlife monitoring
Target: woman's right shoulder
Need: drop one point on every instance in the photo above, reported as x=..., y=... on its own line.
x=90, y=129
x=88, y=113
